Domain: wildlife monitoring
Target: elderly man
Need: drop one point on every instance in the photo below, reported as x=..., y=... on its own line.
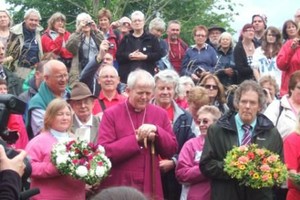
x=108, y=79
x=166, y=85
x=85, y=125
x=214, y=33
x=138, y=49
x=134, y=145
x=54, y=86
x=24, y=45
x=177, y=46
x=259, y=22
x=242, y=128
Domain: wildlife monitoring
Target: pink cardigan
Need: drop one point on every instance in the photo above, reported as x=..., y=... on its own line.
x=46, y=177
x=195, y=185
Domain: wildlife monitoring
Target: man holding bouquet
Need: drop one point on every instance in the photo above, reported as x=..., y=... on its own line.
x=236, y=129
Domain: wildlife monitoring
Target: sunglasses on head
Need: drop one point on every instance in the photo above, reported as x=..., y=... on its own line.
x=212, y=87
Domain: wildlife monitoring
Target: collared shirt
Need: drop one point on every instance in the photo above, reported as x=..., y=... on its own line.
x=84, y=130
x=118, y=98
x=60, y=136
x=239, y=123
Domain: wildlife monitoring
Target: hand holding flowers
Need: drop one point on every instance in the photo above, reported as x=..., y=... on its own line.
x=81, y=160
x=255, y=167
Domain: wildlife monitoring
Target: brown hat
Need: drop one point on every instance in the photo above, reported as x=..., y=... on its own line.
x=80, y=91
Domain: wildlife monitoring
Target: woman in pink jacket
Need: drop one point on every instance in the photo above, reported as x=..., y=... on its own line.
x=195, y=186
x=288, y=61
x=45, y=176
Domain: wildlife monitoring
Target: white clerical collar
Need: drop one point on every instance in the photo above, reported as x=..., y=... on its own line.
x=89, y=123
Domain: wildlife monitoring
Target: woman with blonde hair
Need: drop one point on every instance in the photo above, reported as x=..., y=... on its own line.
x=45, y=175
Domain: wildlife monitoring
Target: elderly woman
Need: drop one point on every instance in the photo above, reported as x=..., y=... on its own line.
x=289, y=30
x=264, y=57
x=185, y=84
x=225, y=67
x=166, y=86
x=194, y=184
x=83, y=44
x=291, y=157
x=197, y=97
x=138, y=49
x=55, y=37
x=268, y=83
x=45, y=176
x=243, y=53
x=5, y=24
x=288, y=61
x=157, y=27
x=215, y=92
x=199, y=58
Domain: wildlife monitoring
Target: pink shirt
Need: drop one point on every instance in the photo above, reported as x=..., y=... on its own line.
x=45, y=175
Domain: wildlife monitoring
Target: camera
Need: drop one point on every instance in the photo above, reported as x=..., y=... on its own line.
x=111, y=45
x=89, y=23
x=11, y=104
x=198, y=71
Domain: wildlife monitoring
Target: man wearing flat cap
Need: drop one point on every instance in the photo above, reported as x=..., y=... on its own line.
x=214, y=33
x=85, y=125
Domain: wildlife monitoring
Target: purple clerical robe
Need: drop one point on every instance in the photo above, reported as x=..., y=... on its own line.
x=131, y=163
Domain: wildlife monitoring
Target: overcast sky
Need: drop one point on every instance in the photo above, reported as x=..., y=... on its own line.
x=277, y=11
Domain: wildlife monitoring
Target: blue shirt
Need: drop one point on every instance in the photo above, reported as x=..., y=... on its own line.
x=239, y=123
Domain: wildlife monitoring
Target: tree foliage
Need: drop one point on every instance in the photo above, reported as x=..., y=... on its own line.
x=188, y=12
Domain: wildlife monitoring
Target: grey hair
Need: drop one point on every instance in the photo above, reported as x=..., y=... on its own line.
x=174, y=22
x=32, y=11
x=249, y=85
x=140, y=75
x=9, y=17
x=168, y=76
x=49, y=66
x=157, y=23
x=138, y=14
x=51, y=21
x=226, y=34
x=184, y=80
x=213, y=110
x=82, y=16
x=105, y=66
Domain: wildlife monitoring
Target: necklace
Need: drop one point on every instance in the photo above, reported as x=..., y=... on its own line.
x=171, y=52
x=132, y=125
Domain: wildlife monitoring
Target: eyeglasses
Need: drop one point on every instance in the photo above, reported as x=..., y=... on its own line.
x=211, y=87
x=202, y=121
x=108, y=77
x=61, y=77
x=200, y=35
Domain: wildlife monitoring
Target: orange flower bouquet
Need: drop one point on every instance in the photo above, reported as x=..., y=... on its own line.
x=255, y=167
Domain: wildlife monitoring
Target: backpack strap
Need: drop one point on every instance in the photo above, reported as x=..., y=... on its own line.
x=103, y=107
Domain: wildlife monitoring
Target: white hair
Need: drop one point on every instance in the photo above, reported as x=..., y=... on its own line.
x=158, y=24
x=32, y=11
x=168, y=76
x=81, y=17
x=137, y=14
x=142, y=76
x=226, y=34
x=106, y=66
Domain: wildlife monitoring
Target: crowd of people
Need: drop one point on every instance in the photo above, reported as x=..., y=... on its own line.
x=166, y=112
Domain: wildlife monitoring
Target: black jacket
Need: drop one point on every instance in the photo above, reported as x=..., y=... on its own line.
x=147, y=44
x=221, y=138
x=14, y=83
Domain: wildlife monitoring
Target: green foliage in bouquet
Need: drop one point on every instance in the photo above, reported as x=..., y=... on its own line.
x=255, y=167
x=81, y=160
x=295, y=178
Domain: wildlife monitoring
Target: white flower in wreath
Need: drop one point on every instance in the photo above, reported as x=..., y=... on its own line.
x=61, y=159
x=101, y=149
x=107, y=161
x=100, y=170
x=81, y=171
x=60, y=147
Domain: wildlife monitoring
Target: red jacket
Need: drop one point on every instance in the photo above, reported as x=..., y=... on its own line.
x=56, y=46
x=288, y=61
x=16, y=123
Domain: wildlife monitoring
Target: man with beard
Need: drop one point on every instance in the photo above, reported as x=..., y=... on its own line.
x=177, y=46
